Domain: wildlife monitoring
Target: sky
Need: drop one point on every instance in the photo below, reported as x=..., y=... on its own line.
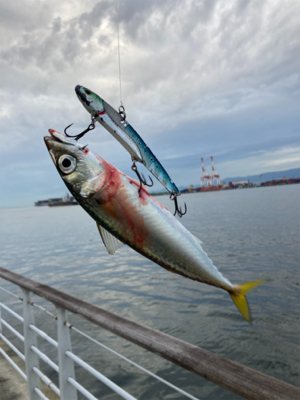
x=199, y=79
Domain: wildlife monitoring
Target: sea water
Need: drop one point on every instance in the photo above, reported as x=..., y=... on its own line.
x=249, y=234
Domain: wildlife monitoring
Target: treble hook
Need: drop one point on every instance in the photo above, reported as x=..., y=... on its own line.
x=173, y=196
x=80, y=135
x=140, y=176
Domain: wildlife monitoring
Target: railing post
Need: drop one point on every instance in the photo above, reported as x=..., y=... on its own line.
x=31, y=359
x=66, y=364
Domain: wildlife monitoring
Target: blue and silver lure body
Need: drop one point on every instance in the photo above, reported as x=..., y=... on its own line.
x=117, y=125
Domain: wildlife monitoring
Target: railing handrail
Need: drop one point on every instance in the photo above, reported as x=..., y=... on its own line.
x=230, y=375
x=69, y=327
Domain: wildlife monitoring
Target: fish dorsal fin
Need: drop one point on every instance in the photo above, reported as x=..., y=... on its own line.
x=197, y=239
x=110, y=242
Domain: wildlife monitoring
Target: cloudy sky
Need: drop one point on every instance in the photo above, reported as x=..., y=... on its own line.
x=199, y=78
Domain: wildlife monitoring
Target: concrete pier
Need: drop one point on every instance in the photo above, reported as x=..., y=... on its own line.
x=12, y=385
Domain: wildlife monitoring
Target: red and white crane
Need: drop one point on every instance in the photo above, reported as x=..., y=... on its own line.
x=205, y=178
x=215, y=176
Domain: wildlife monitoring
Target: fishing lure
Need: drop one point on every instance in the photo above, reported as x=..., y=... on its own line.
x=124, y=216
x=115, y=122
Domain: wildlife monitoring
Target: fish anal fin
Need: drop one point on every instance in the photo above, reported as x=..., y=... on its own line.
x=111, y=243
x=240, y=300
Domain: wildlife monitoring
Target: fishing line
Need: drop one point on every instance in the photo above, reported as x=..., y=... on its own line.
x=119, y=58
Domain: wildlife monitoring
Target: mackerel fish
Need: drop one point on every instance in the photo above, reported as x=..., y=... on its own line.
x=126, y=215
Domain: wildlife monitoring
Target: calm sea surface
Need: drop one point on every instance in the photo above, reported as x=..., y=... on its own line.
x=249, y=234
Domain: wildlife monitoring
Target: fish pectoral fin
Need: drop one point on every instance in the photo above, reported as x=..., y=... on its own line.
x=240, y=299
x=111, y=243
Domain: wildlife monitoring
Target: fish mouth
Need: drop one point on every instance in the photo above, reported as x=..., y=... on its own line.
x=48, y=140
x=57, y=137
x=81, y=95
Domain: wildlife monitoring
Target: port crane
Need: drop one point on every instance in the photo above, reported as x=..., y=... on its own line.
x=207, y=181
x=205, y=178
x=215, y=176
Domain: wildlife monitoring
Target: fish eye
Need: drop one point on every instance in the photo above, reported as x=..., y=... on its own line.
x=67, y=164
x=87, y=91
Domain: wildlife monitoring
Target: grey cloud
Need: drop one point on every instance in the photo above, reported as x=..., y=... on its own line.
x=198, y=77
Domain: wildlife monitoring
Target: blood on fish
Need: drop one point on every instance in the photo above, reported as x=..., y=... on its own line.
x=112, y=181
x=109, y=200
x=143, y=194
x=134, y=182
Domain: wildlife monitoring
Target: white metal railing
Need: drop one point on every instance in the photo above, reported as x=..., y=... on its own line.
x=237, y=378
x=68, y=386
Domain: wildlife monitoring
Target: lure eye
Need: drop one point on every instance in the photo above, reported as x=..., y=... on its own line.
x=67, y=164
x=87, y=91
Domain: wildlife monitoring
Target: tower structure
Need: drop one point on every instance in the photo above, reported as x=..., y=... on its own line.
x=205, y=178
x=215, y=176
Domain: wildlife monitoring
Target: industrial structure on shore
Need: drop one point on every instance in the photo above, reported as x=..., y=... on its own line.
x=208, y=181
x=212, y=181
x=57, y=202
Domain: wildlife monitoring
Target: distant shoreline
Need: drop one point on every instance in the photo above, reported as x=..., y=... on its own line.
x=155, y=194
x=197, y=190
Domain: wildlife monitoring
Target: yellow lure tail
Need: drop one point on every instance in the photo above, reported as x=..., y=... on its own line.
x=240, y=299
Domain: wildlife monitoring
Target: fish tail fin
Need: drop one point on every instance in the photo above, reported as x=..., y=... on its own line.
x=240, y=299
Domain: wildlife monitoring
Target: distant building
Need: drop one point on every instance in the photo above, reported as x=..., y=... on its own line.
x=40, y=203
x=66, y=200
x=242, y=183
